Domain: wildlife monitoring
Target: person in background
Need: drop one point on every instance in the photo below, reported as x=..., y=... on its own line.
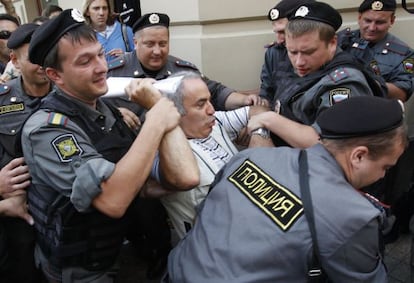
x=86, y=165
x=373, y=44
x=254, y=225
x=276, y=60
x=51, y=11
x=323, y=76
x=129, y=11
x=8, y=24
x=21, y=96
x=152, y=59
x=116, y=38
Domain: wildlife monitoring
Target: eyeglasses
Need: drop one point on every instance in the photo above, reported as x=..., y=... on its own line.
x=5, y=34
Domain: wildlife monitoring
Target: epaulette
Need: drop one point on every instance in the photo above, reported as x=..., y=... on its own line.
x=4, y=89
x=186, y=64
x=396, y=48
x=57, y=119
x=270, y=44
x=116, y=63
x=338, y=74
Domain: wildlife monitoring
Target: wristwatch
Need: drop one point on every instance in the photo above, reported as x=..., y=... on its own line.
x=263, y=132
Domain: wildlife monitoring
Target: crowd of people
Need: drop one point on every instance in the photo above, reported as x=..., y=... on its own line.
x=207, y=183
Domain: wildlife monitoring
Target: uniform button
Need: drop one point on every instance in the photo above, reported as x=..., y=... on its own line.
x=13, y=99
x=102, y=128
x=101, y=117
x=136, y=73
x=169, y=73
x=13, y=131
x=76, y=164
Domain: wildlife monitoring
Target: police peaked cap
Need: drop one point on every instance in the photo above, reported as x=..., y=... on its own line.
x=49, y=33
x=285, y=8
x=151, y=19
x=23, y=34
x=320, y=12
x=378, y=5
x=360, y=116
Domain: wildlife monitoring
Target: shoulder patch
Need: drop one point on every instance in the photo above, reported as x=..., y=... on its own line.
x=338, y=94
x=4, y=89
x=281, y=205
x=408, y=65
x=186, y=64
x=375, y=67
x=116, y=63
x=396, y=48
x=338, y=75
x=57, y=119
x=66, y=147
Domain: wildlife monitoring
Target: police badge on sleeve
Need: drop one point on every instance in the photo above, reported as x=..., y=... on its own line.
x=338, y=94
x=66, y=147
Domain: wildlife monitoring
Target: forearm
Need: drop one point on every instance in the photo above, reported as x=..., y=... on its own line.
x=295, y=134
x=177, y=162
x=396, y=92
x=130, y=172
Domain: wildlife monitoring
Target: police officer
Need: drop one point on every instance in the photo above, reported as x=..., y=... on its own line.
x=253, y=226
x=19, y=98
x=323, y=75
x=151, y=59
x=373, y=44
x=276, y=61
x=85, y=163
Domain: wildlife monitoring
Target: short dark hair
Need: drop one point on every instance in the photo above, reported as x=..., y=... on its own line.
x=50, y=9
x=53, y=58
x=302, y=26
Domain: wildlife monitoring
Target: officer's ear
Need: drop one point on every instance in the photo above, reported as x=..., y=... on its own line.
x=358, y=156
x=53, y=75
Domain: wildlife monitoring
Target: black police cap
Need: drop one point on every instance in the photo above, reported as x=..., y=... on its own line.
x=21, y=35
x=151, y=19
x=285, y=9
x=49, y=33
x=320, y=12
x=10, y=18
x=360, y=116
x=376, y=5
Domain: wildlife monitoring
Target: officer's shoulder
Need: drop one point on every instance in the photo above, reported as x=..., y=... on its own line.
x=396, y=45
x=55, y=119
x=182, y=63
x=5, y=89
x=340, y=74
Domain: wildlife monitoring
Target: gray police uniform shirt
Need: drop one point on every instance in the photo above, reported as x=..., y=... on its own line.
x=390, y=58
x=71, y=179
x=129, y=66
x=15, y=107
x=252, y=227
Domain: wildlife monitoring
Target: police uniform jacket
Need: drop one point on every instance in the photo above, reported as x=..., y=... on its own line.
x=252, y=227
x=16, y=107
x=276, y=65
x=70, y=151
x=303, y=98
x=182, y=206
x=390, y=58
x=129, y=66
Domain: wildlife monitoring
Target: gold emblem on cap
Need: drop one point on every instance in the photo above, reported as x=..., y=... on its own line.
x=302, y=11
x=154, y=19
x=77, y=15
x=377, y=6
x=274, y=14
